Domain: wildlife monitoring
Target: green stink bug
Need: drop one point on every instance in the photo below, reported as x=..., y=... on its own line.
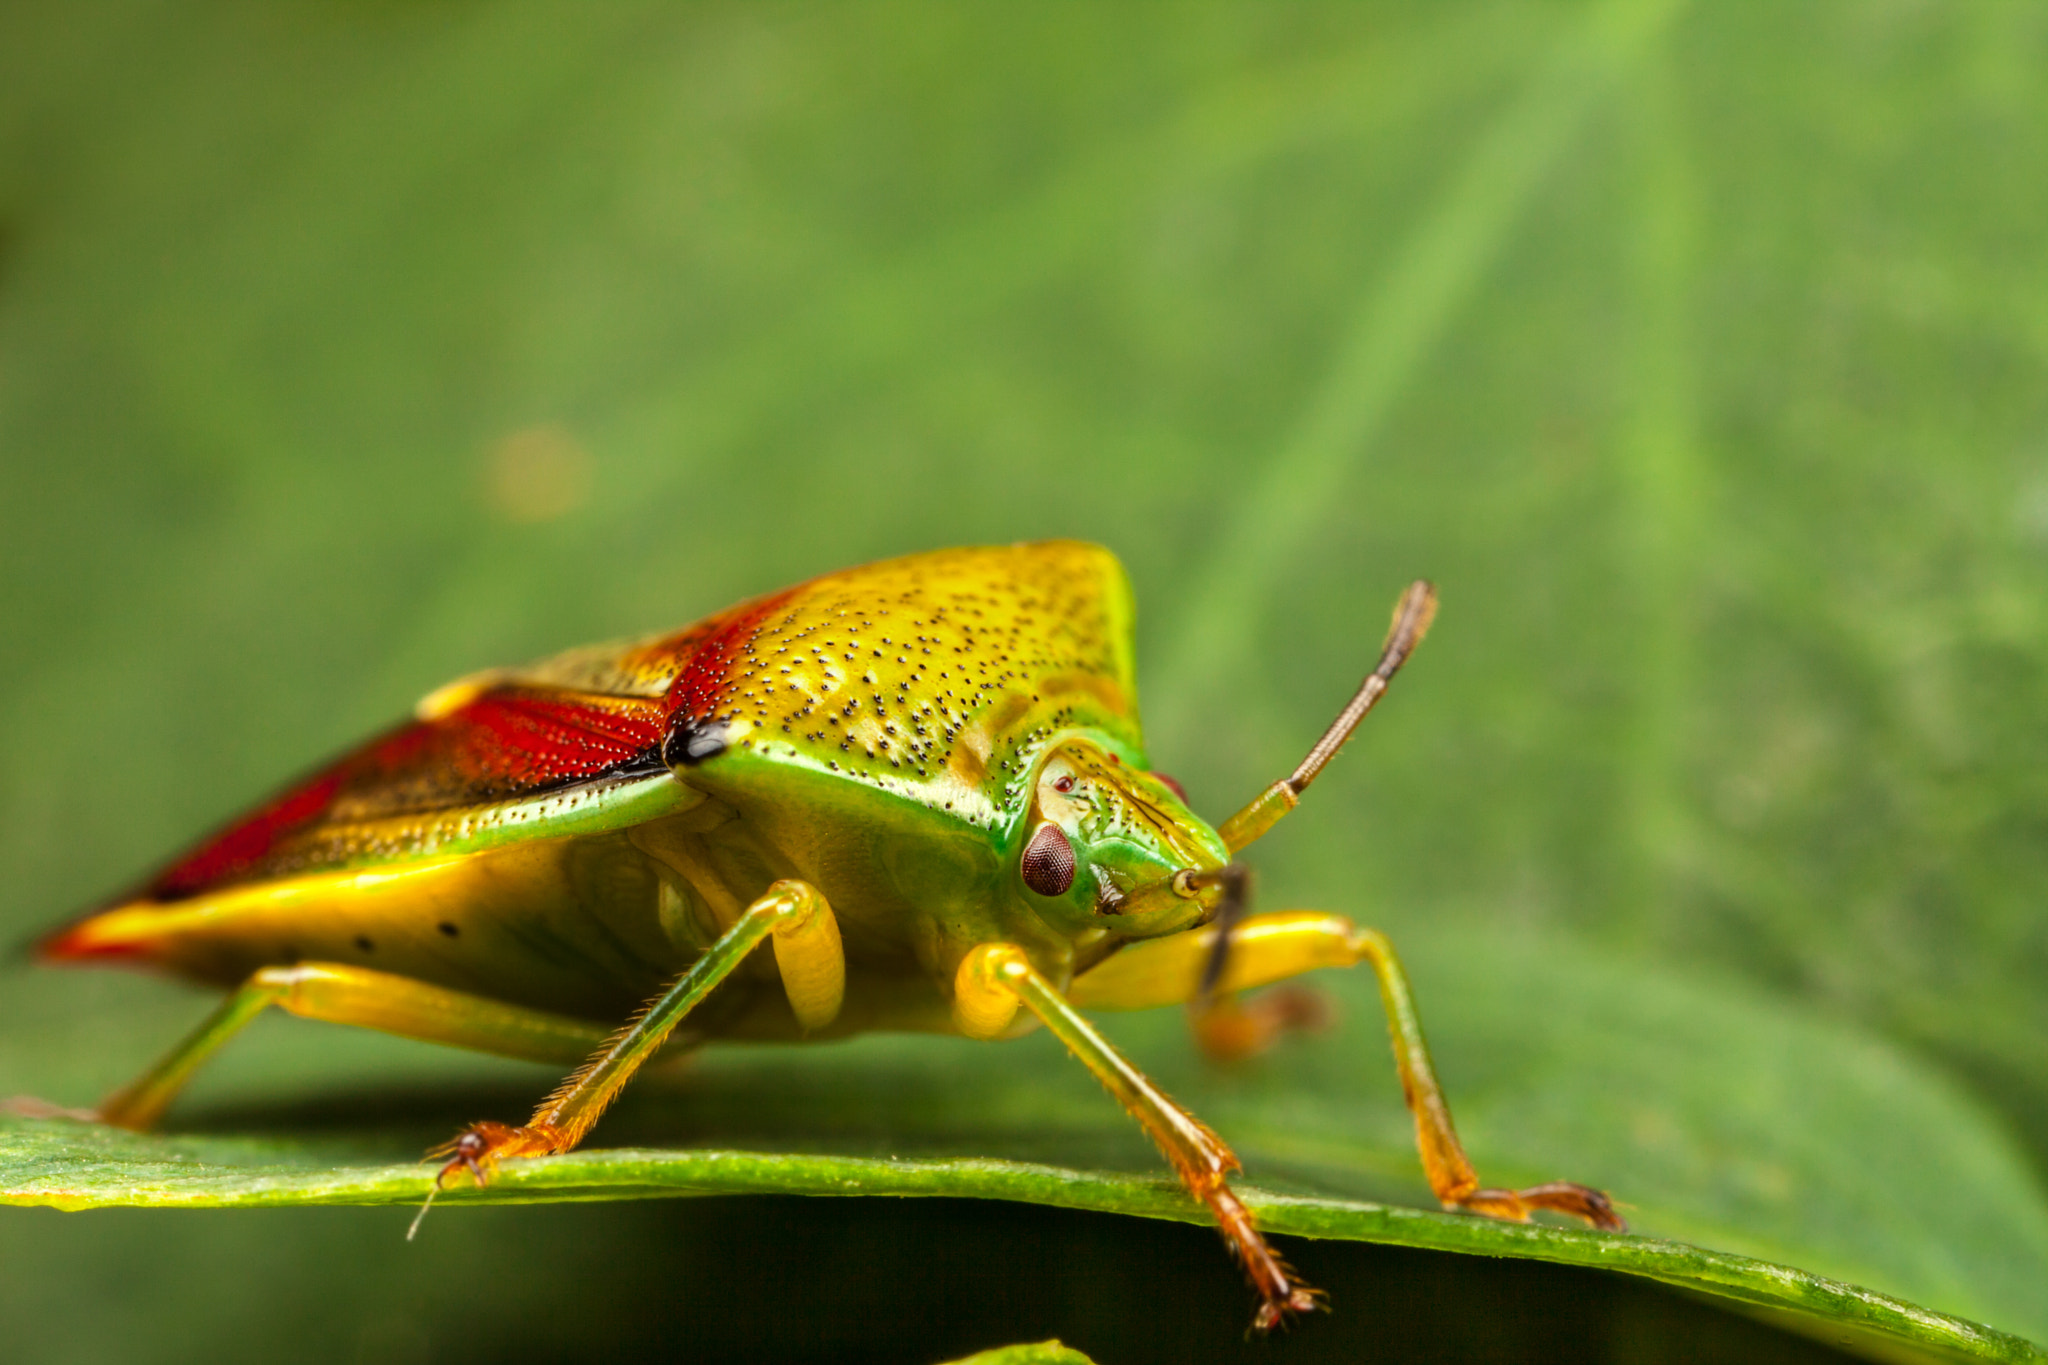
x=922, y=782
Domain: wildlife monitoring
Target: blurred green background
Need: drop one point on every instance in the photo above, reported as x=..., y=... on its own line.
x=1700, y=355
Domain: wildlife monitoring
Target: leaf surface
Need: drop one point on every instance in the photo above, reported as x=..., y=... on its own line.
x=1725, y=1196
x=1696, y=351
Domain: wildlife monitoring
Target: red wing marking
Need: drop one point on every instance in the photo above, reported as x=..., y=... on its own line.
x=526, y=739
x=230, y=855
x=701, y=685
x=514, y=740
x=504, y=744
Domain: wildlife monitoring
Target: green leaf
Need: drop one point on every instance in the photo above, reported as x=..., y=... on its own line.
x=1719, y=1187
x=1697, y=352
x=1028, y=1353
x=60, y=1170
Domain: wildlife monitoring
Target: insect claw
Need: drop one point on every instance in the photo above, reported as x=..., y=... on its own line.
x=463, y=1152
x=1277, y=1313
x=1567, y=1197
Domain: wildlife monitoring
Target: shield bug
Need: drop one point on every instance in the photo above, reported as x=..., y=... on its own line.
x=921, y=784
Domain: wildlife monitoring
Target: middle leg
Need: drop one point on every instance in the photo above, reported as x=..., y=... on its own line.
x=813, y=967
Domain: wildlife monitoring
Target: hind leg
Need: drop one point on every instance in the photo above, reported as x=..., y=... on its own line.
x=367, y=999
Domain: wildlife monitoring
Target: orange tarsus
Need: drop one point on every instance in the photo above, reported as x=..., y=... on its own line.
x=1558, y=1196
x=1201, y=1158
x=478, y=1148
x=470, y=1149
x=467, y=1149
x=1280, y=1290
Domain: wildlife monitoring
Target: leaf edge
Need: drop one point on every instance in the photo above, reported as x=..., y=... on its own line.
x=630, y=1173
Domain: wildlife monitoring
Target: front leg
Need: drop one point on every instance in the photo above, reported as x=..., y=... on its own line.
x=996, y=977
x=813, y=968
x=1268, y=948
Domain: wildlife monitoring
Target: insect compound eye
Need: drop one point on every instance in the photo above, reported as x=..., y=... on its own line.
x=1063, y=783
x=1048, y=865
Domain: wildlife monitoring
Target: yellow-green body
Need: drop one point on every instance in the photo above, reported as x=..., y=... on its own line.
x=922, y=783
x=877, y=736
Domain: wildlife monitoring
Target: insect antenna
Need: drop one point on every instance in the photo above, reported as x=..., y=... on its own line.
x=1412, y=615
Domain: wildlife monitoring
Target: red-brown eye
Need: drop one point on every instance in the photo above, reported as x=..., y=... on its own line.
x=1048, y=865
x=1063, y=783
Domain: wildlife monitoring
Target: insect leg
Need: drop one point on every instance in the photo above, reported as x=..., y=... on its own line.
x=812, y=962
x=1272, y=947
x=814, y=974
x=996, y=977
x=1168, y=971
x=353, y=995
